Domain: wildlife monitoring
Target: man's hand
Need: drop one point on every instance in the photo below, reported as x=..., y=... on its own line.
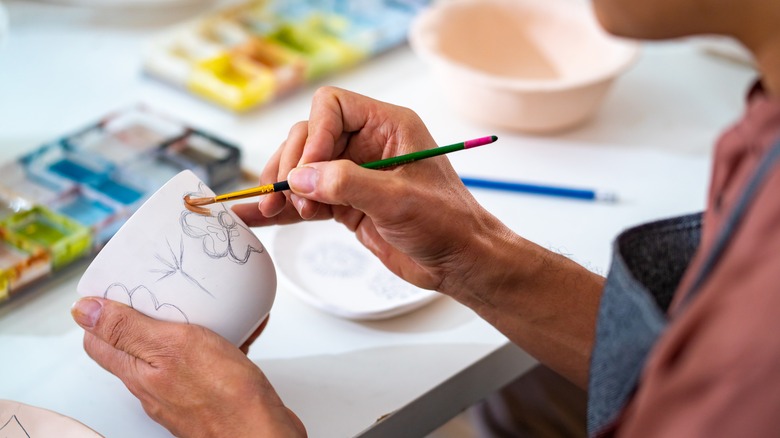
x=188, y=378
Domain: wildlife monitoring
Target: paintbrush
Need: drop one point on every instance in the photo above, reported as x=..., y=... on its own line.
x=196, y=204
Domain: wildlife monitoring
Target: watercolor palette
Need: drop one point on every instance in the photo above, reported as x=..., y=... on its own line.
x=64, y=200
x=248, y=55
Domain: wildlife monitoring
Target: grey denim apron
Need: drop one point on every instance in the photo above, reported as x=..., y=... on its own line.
x=647, y=265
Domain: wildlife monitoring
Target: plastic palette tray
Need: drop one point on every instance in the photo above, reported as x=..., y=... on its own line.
x=248, y=55
x=62, y=201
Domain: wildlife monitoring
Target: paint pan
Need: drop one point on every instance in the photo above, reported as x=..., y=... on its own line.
x=64, y=239
x=23, y=190
x=118, y=190
x=61, y=164
x=102, y=219
x=58, y=165
x=247, y=54
x=323, y=52
x=287, y=67
x=124, y=136
x=18, y=267
x=156, y=170
x=214, y=161
x=377, y=32
x=235, y=82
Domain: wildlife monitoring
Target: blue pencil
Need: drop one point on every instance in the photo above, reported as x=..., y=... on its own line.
x=537, y=189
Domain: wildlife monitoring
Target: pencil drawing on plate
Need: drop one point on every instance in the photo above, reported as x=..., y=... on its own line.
x=336, y=259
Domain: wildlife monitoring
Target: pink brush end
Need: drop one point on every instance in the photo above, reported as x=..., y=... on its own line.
x=479, y=141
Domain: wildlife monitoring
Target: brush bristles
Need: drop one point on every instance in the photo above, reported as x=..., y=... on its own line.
x=189, y=200
x=194, y=204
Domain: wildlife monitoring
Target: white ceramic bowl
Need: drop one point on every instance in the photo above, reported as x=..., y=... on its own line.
x=537, y=66
x=176, y=265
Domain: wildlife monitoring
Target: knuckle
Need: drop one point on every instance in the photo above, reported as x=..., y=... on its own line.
x=155, y=411
x=177, y=342
x=410, y=115
x=324, y=92
x=299, y=127
x=338, y=180
x=115, y=329
x=182, y=336
x=402, y=198
x=158, y=376
x=173, y=342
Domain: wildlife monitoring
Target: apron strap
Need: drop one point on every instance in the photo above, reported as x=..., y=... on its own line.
x=732, y=222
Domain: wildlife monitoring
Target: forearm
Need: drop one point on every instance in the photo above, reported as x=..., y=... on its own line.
x=542, y=301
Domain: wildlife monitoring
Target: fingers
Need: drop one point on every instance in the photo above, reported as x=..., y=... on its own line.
x=342, y=182
x=328, y=122
x=270, y=205
x=289, y=215
x=348, y=125
x=287, y=157
x=109, y=340
x=284, y=159
x=120, y=327
x=293, y=149
x=342, y=124
x=245, y=346
x=127, y=367
x=252, y=216
x=189, y=379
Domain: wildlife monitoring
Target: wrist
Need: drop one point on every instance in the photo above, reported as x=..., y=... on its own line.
x=542, y=301
x=272, y=421
x=260, y=413
x=492, y=258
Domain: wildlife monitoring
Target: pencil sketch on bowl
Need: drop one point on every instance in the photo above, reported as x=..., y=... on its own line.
x=176, y=265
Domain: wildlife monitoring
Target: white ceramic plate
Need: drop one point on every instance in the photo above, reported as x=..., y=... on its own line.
x=18, y=420
x=324, y=264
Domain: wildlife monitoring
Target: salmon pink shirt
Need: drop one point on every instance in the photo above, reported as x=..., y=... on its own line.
x=715, y=370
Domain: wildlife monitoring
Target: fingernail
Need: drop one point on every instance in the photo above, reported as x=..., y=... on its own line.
x=298, y=201
x=86, y=312
x=303, y=179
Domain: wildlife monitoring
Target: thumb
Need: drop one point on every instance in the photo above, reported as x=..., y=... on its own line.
x=119, y=326
x=341, y=182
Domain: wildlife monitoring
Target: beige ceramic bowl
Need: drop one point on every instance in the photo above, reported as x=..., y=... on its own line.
x=530, y=65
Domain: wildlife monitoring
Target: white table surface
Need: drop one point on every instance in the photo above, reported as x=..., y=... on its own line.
x=63, y=67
